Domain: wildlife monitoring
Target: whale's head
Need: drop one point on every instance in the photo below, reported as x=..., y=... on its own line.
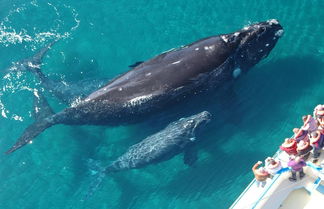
x=254, y=42
x=195, y=122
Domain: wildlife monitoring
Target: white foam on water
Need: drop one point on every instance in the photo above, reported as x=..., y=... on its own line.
x=17, y=117
x=11, y=36
x=76, y=102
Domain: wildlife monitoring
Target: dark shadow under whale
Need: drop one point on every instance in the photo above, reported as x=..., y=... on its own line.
x=163, y=80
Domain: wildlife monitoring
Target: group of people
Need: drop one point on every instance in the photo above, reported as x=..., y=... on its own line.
x=307, y=140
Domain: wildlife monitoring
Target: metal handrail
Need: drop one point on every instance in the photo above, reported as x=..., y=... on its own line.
x=252, y=182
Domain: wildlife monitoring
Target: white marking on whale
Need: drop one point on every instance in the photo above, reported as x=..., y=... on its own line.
x=279, y=33
x=173, y=63
x=236, y=72
x=273, y=21
x=225, y=39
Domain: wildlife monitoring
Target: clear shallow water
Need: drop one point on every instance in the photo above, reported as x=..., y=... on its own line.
x=100, y=40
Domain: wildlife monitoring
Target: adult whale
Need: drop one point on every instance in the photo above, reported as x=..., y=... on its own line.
x=165, y=79
x=177, y=137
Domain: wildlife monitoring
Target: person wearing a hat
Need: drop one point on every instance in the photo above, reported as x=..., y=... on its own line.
x=300, y=134
x=296, y=164
x=303, y=149
x=289, y=146
x=318, y=110
x=272, y=166
x=260, y=174
x=319, y=116
x=317, y=142
x=310, y=123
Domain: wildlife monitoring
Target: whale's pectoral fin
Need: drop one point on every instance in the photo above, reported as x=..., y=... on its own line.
x=135, y=64
x=41, y=107
x=190, y=155
x=42, y=113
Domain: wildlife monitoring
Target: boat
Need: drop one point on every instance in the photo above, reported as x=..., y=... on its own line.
x=280, y=192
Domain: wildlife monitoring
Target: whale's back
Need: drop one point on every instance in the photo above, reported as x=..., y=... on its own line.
x=168, y=71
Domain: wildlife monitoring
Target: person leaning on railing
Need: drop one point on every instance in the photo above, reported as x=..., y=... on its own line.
x=310, y=124
x=296, y=164
x=300, y=134
x=319, y=117
x=304, y=149
x=272, y=166
x=289, y=146
x=317, y=142
x=260, y=174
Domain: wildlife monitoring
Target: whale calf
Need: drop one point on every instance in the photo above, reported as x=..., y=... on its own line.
x=177, y=137
x=165, y=80
x=162, y=146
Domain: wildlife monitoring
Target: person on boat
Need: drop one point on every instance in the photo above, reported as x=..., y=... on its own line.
x=272, y=166
x=303, y=149
x=319, y=116
x=318, y=110
x=296, y=164
x=300, y=134
x=310, y=123
x=317, y=142
x=289, y=146
x=260, y=174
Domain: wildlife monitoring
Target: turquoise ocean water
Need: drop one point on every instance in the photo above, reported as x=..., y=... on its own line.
x=99, y=39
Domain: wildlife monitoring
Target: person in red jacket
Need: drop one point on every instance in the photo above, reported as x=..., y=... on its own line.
x=289, y=146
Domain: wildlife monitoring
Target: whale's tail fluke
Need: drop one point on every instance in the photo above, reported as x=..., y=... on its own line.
x=42, y=114
x=33, y=64
x=38, y=57
x=29, y=134
x=98, y=174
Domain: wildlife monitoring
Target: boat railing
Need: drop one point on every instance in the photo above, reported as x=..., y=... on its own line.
x=275, y=156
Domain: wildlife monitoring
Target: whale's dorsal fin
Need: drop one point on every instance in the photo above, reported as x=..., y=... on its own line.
x=190, y=155
x=135, y=64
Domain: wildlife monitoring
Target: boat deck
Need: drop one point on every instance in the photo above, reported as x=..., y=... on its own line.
x=279, y=192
